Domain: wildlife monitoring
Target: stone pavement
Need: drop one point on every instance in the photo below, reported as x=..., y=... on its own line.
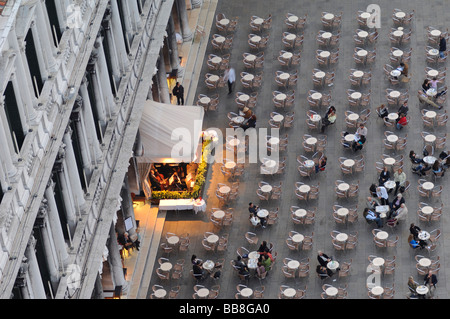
x=432, y=13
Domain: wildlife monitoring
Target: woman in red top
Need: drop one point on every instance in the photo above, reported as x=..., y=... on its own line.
x=402, y=121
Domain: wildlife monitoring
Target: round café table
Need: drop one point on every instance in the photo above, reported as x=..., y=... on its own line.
x=362, y=53
x=255, y=39
x=328, y=16
x=378, y=262
x=293, y=19
x=377, y=290
x=253, y=255
x=287, y=55
x=433, y=73
x=203, y=292
x=281, y=97
x=397, y=53
x=230, y=165
x=435, y=33
x=212, y=239
x=316, y=96
x=297, y=238
x=430, y=114
x=365, y=15
x=342, y=237
x=331, y=291
x=425, y=262
x=309, y=163
x=349, y=163
x=220, y=39
x=326, y=35
x=238, y=119
x=258, y=21
x=216, y=60
x=392, y=138
x=333, y=265
x=325, y=54
x=224, y=189
x=304, y=188
x=363, y=34
x=250, y=58
x=246, y=292
x=428, y=186
x=349, y=137
x=343, y=187
x=262, y=213
x=389, y=161
x=422, y=290
x=397, y=33
x=293, y=264
x=289, y=292
x=213, y=78
x=433, y=52
x=431, y=92
x=429, y=159
x=284, y=76
x=423, y=235
x=271, y=165
x=316, y=118
x=266, y=188
x=160, y=293
x=389, y=184
x=311, y=140
x=400, y=14
x=248, y=77
x=219, y=214
x=205, y=100
x=224, y=22
x=342, y=212
x=173, y=240
x=319, y=74
x=278, y=118
x=358, y=74
x=290, y=36
x=355, y=96
x=300, y=212
x=392, y=116
x=427, y=210
x=395, y=73
x=167, y=266
x=394, y=94
x=382, y=235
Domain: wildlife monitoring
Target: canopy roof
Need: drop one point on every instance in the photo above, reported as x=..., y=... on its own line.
x=170, y=133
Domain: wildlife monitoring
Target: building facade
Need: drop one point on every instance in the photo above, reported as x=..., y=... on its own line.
x=75, y=75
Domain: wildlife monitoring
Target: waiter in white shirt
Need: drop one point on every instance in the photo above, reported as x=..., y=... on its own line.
x=230, y=77
x=382, y=195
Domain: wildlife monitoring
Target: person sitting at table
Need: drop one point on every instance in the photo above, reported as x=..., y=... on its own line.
x=403, y=109
x=362, y=130
x=384, y=176
x=414, y=230
x=383, y=111
x=373, y=190
x=265, y=261
x=359, y=143
x=399, y=179
x=263, y=248
x=372, y=216
x=404, y=69
x=371, y=203
x=443, y=155
x=243, y=269
x=412, y=286
x=396, y=203
x=401, y=122
x=434, y=84
x=261, y=270
x=422, y=169
x=323, y=272
x=442, y=46
x=430, y=281
x=198, y=270
x=423, y=98
x=251, y=122
x=247, y=113
x=426, y=85
x=254, y=218
x=321, y=165
x=329, y=118
x=414, y=159
x=437, y=168
x=399, y=214
x=382, y=195
x=323, y=258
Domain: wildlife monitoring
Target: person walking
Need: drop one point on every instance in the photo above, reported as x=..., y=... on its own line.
x=230, y=77
x=178, y=91
x=442, y=46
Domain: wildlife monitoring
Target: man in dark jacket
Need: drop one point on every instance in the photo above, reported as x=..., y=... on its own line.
x=178, y=91
x=442, y=46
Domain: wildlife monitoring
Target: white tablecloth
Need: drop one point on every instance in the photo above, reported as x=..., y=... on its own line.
x=182, y=204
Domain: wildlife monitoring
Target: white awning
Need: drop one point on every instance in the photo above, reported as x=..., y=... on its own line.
x=170, y=133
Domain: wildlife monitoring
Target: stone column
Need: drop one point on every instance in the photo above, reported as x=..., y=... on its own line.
x=184, y=21
x=34, y=272
x=48, y=245
x=74, y=177
x=115, y=64
x=89, y=121
x=115, y=260
x=55, y=223
x=173, y=46
x=103, y=75
x=163, y=87
x=45, y=38
x=6, y=155
x=116, y=29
